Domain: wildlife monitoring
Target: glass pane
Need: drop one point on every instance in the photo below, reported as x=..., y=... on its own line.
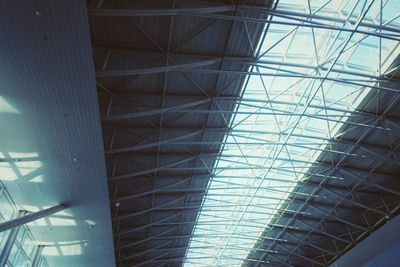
x=28, y=245
x=6, y=209
x=23, y=249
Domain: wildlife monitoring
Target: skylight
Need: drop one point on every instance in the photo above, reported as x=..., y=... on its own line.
x=305, y=84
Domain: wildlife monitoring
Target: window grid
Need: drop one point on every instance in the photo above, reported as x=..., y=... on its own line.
x=24, y=249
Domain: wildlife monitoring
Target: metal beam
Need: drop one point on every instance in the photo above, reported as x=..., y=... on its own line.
x=127, y=49
x=148, y=171
x=194, y=100
x=314, y=230
x=140, y=212
x=152, y=70
x=347, y=170
x=225, y=8
x=252, y=102
x=31, y=217
x=155, y=248
x=390, y=33
x=157, y=236
x=152, y=112
x=301, y=256
x=142, y=227
x=158, y=12
x=152, y=144
x=270, y=112
x=151, y=260
x=38, y=254
x=141, y=194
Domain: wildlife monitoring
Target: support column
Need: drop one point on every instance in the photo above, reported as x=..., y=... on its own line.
x=10, y=242
x=38, y=254
x=30, y=218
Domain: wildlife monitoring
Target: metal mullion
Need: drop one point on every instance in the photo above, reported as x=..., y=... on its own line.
x=10, y=242
x=38, y=255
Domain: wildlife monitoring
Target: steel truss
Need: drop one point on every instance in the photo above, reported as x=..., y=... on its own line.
x=275, y=189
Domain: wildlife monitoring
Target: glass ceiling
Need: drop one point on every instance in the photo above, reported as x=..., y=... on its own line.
x=317, y=62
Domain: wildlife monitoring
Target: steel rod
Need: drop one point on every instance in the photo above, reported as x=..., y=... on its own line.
x=31, y=217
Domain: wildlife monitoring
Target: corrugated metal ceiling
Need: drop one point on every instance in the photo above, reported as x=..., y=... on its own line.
x=51, y=145
x=156, y=178
x=158, y=60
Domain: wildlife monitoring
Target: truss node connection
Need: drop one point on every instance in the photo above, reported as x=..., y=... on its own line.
x=274, y=140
